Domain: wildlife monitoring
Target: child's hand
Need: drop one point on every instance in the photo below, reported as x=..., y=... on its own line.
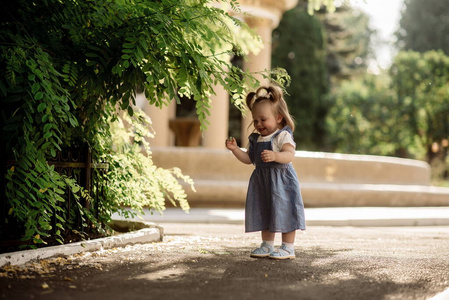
x=231, y=144
x=268, y=156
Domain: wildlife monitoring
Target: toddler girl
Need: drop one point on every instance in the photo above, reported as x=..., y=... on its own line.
x=273, y=202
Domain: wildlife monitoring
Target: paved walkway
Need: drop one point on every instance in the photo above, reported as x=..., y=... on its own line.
x=338, y=216
x=346, y=253
x=211, y=261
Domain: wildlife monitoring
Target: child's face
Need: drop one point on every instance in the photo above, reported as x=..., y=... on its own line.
x=265, y=120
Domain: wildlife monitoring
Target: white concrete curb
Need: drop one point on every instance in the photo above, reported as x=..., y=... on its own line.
x=441, y=296
x=146, y=235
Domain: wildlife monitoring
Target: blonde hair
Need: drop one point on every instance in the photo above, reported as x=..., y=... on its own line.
x=275, y=95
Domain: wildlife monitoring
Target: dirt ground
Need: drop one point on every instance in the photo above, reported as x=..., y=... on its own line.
x=210, y=261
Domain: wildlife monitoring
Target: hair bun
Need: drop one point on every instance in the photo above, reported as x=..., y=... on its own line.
x=272, y=93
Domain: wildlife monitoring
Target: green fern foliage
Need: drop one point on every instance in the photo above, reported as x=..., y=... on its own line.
x=69, y=67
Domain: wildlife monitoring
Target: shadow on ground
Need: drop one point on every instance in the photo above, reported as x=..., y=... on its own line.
x=222, y=273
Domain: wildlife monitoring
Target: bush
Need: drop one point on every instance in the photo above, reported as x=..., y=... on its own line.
x=69, y=67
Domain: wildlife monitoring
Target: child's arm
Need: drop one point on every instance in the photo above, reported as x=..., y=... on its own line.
x=241, y=155
x=284, y=157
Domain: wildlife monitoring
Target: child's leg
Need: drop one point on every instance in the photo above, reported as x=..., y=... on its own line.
x=289, y=237
x=269, y=236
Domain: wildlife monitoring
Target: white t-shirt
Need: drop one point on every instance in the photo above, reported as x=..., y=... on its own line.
x=282, y=138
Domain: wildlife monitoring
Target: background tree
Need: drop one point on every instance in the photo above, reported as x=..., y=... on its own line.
x=420, y=81
x=348, y=42
x=424, y=26
x=299, y=47
x=362, y=119
x=319, y=51
x=362, y=111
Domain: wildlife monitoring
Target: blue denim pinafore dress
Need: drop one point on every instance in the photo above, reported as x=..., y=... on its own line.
x=273, y=200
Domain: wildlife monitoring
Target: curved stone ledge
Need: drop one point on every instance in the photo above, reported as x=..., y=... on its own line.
x=212, y=193
x=351, y=168
x=327, y=179
x=201, y=163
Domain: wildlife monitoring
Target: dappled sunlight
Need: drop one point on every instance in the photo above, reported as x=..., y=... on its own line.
x=338, y=276
x=212, y=260
x=171, y=274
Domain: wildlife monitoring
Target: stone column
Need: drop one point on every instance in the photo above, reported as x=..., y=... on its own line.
x=217, y=130
x=160, y=117
x=260, y=62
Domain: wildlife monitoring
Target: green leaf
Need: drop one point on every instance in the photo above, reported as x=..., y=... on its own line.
x=35, y=87
x=59, y=191
x=91, y=54
x=128, y=45
x=56, y=145
x=38, y=96
x=45, y=118
x=37, y=239
x=45, y=145
x=47, y=127
x=75, y=189
x=41, y=107
x=73, y=122
x=20, y=194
